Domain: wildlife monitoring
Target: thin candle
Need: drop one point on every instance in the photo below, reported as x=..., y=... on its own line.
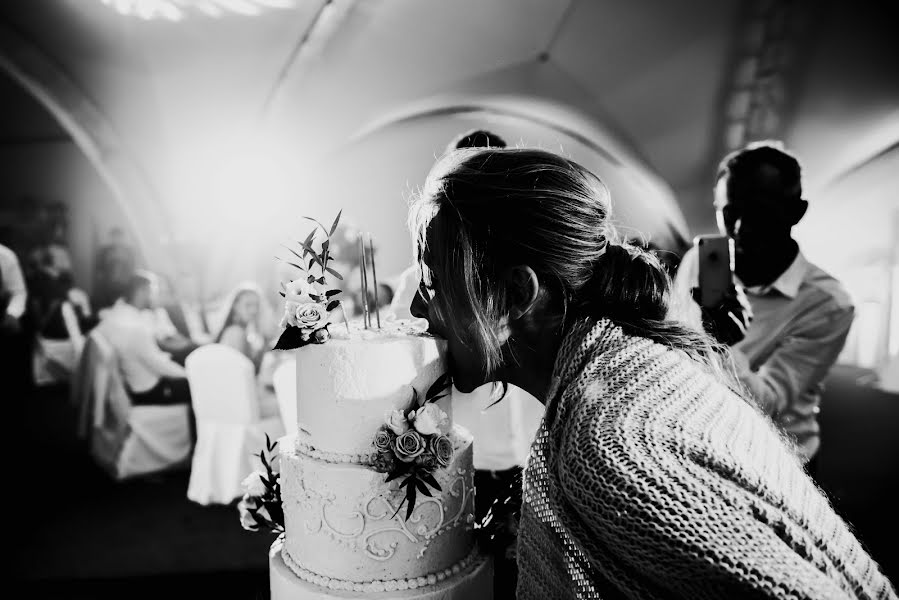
x=374, y=279
x=364, y=278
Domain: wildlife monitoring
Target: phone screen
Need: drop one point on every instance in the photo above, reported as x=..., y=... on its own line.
x=715, y=268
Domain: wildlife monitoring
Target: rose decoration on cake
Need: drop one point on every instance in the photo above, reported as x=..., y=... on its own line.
x=442, y=449
x=260, y=507
x=428, y=419
x=397, y=422
x=309, y=308
x=383, y=440
x=408, y=446
x=412, y=445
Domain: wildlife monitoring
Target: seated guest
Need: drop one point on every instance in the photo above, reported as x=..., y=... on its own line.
x=60, y=314
x=150, y=375
x=244, y=327
x=169, y=337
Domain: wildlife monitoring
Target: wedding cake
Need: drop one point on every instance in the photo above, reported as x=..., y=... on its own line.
x=351, y=529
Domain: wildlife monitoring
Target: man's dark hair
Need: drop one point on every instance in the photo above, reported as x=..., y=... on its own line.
x=762, y=168
x=478, y=138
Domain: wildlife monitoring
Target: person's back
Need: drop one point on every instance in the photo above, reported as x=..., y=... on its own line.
x=650, y=476
x=150, y=374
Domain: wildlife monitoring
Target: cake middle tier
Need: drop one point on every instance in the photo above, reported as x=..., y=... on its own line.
x=346, y=386
x=342, y=520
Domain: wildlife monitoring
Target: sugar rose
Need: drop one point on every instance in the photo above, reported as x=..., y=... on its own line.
x=383, y=440
x=384, y=462
x=408, y=446
x=428, y=419
x=397, y=422
x=442, y=449
x=427, y=461
x=311, y=316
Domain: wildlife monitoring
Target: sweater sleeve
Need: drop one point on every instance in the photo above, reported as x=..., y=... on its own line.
x=652, y=517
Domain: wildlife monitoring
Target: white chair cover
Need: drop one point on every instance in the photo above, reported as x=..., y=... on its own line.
x=54, y=361
x=284, y=379
x=229, y=427
x=127, y=441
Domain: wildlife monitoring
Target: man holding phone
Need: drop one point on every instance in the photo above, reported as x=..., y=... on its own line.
x=790, y=326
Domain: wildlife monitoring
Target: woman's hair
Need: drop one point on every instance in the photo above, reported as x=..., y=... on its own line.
x=487, y=210
x=231, y=302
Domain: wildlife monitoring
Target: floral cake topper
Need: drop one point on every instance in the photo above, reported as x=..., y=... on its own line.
x=411, y=443
x=309, y=306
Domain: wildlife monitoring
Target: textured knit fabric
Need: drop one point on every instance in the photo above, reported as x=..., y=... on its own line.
x=650, y=479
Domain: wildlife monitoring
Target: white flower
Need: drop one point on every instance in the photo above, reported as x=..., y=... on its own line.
x=428, y=419
x=311, y=316
x=396, y=420
x=298, y=292
x=247, y=520
x=253, y=484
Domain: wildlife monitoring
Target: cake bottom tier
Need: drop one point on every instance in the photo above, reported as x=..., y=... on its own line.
x=473, y=583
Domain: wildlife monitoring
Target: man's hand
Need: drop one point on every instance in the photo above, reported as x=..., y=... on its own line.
x=729, y=321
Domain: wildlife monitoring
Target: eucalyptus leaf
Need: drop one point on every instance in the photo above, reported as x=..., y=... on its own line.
x=330, y=293
x=317, y=223
x=290, y=339
x=309, y=238
x=410, y=496
x=334, y=273
x=429, y=479
x=315, y=257
x=422, y=488
x=334, y=224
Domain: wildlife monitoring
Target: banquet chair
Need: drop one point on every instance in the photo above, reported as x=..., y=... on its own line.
x=285, y=381
x=55, y=360
x=126, y=441
x=230, y=429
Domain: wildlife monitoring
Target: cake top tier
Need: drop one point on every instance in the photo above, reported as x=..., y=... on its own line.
x=347, y=386
x=388, y=330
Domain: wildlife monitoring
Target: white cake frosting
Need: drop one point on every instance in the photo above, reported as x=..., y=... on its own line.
x=344, y=537
x=346, y=385
x=342, y=520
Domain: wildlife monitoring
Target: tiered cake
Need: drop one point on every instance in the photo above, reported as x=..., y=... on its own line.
x=345, y=537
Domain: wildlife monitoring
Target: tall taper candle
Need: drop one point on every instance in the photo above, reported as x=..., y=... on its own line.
x=374, y=279
x=366, y=320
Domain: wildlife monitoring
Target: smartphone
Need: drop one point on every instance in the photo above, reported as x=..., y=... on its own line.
x=716, y=267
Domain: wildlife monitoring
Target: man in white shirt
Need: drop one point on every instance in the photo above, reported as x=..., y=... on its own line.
x=797, y=319
x=150, y=374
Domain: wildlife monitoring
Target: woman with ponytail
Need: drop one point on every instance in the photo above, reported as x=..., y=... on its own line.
x=651, y=476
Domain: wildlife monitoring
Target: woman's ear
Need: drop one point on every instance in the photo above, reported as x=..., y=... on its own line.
x=524, y=289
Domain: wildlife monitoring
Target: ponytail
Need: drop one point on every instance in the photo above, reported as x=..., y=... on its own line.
x=630, y=287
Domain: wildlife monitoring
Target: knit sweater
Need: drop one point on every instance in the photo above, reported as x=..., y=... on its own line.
x=650, y=479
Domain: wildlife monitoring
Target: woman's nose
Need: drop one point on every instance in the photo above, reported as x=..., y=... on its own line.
x=419, y=307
